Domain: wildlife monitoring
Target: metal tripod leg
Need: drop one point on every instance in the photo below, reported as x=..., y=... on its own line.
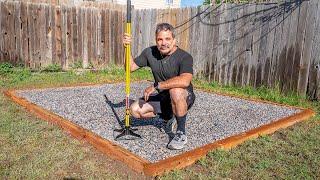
x=127, y=131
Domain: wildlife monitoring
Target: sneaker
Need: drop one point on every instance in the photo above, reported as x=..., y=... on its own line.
x=178, y=141
x=169, y=126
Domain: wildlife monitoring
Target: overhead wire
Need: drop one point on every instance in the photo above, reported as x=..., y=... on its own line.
x=284, y=7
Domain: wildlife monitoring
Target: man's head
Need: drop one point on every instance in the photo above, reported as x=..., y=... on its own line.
x=165, y=38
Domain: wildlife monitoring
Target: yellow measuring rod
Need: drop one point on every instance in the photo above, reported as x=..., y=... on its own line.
x=128, y=54
x=127, y=132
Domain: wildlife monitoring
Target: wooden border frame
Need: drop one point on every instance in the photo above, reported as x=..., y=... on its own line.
x=176, y=162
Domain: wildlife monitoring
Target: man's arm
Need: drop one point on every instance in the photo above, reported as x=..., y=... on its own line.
x=133, y=65
x=126, y=41
x=185, y=77
x=181, y=81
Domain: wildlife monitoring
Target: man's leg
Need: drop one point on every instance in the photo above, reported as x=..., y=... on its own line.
x=180, y=107
x=144, y=110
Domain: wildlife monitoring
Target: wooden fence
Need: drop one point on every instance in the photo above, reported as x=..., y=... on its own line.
x=37, y=35
x=270, y=44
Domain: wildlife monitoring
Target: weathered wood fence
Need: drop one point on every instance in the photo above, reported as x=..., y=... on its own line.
x=38, y=35
x=270, y=44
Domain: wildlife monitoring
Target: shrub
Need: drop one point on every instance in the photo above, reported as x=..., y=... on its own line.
x=52, y=68
x=6, y=68
x=77, y=65
x=20, y=74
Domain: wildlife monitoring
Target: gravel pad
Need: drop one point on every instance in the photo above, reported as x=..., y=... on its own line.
x=100, y=108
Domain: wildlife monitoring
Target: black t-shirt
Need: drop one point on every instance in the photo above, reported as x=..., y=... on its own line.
x=166, y=67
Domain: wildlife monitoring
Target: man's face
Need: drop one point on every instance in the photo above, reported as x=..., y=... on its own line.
x=165, y=42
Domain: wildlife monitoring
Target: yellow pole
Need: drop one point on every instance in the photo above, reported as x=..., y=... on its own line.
x=128, y=54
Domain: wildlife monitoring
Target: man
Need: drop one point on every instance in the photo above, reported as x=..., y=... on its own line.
x=172, y=70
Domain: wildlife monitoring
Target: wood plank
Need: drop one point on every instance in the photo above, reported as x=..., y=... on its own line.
x=112, y=36
x=293, y=50
x=58, y=36
x=185, y=34
x=120, y=32
x=200, y=57
x=153, y=25
x=306, y=53
x=225, y=45
x=264, y=21
x=94, y=37
x=99, y=40
x=288, y=62
x=89, y=34
x=215, y=44
x=209, y=40
x=48, y=35
x=115, y=38
x=120, y=26
x=142, y=30
x=148, y=28
x=107, y=38
x=248, y=43
x=53, y=33
x=219, y=47
x=43, y=18
x=24, y=34
x=84, y=30
x=253, y=47
x=196, y=40
x=274, y=78
x=17, y=28
x=301, y=28
x=134, y=26
x=10, y=33
x=255, y=71
x=103, y=27
x=64, y=55
x=241, y=38
x=79, y=30
x=231, y=68
x=2, y=22
x=138, y=36
x=74, y=33
x=31, y=35
x=282, y=66
x=268, y=74
x=37, y=47
x=314, y=70
x=69, y=53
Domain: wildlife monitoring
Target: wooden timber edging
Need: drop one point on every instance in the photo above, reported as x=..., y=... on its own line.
x=176, y=162
x=107, y=147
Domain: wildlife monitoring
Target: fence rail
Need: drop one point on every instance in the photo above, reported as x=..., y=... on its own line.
x=270, y=44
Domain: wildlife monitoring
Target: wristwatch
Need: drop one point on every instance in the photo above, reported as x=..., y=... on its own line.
x=156, y=86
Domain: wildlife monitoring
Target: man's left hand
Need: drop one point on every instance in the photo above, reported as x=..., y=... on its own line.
x=148, y=91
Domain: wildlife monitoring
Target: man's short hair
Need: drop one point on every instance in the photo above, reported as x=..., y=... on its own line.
x=165, y=27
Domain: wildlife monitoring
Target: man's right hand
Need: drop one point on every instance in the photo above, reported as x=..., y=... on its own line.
x=126, y=39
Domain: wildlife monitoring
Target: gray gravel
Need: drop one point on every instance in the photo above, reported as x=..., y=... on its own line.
x=212, y=117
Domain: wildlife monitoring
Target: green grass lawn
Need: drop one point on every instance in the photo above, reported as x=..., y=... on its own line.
x=34, y=149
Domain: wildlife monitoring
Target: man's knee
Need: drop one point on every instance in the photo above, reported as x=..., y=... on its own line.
x=177, y=94
x=135, y=110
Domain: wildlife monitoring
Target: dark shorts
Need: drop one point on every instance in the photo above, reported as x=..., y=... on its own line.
x=161, y=103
